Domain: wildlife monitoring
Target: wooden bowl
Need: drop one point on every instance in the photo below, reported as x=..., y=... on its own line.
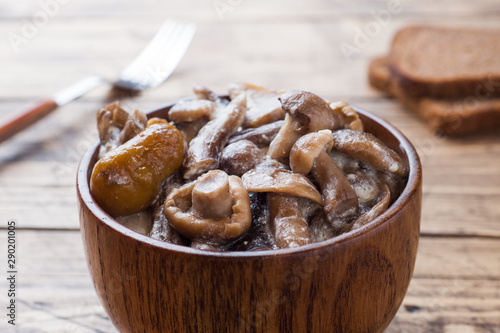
x=353, y=283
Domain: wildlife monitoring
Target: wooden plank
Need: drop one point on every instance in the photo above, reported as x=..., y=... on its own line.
x=308, y=55
x=458, y=258
x=461, y=177
x=58, y=303
x=456, y=284
x=442, y=306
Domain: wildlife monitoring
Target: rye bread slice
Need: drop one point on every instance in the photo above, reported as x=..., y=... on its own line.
x=379, y=75
x=447, y=116
x=442, y=62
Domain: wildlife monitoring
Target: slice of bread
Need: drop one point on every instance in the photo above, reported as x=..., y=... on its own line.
x=447, y=116
x=379, y=75
x=442, y=62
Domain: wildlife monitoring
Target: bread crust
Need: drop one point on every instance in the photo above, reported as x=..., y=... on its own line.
x=450, y=117
x=440, y=62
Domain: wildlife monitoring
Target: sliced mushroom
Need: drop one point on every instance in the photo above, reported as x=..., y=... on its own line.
x=289, y=225
x=306, y=112
x=287, y=213
x=261, y=136
x=110, y=120
x=340, y=202
x=240, y=157
x=305, y=151
x=377, y=210
x=116, y=126
x=203, y=92
x=190, y=130
x=263, y=104
x=271, y=176
x=194, y=214
x=369, y=149
x=204, y=149
x=396, y=184
x=135, y=123
x=350, y=118
x=191, y=110
x=279, y=148
x=191, y=115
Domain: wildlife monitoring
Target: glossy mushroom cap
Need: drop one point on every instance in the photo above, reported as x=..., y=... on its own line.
x=215, y=207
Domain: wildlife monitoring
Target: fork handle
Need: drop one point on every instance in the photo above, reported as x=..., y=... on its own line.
x=26, y=118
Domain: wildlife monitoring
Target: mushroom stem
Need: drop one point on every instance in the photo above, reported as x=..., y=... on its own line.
x=191, y=110
x=340, y=200
x=116, y=126
x=204, y=149
x=279, y=148
x=188, y=222
x=369, y=149
x=289, y=226
x=263, y=104
x=211, y=195
x=262, y=136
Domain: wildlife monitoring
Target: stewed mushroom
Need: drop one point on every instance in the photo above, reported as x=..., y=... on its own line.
x=258, y=170
x=214, y=208
x=310, y=154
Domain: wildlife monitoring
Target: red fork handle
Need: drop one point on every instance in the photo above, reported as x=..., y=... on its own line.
x=26, y=118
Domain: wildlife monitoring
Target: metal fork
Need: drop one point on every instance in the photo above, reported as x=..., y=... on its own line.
x=151, y=67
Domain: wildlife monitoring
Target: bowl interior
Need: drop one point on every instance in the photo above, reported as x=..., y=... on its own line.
x=373, y=124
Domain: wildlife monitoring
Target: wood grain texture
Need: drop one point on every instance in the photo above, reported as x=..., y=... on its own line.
x=455, y=286
x=57, y=294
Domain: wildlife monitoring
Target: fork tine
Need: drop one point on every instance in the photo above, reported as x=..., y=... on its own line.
x=159, y=58
x=146, y=72
x=149, y=51
x=164, y=48
x=172, y=53
x=181, y=47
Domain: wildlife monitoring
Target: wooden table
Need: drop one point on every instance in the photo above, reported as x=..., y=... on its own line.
x=294, y=44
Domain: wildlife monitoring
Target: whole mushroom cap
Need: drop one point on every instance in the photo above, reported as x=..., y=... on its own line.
x=200, y=213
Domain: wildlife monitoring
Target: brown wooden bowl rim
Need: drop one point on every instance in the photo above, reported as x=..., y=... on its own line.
x=414, y=179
